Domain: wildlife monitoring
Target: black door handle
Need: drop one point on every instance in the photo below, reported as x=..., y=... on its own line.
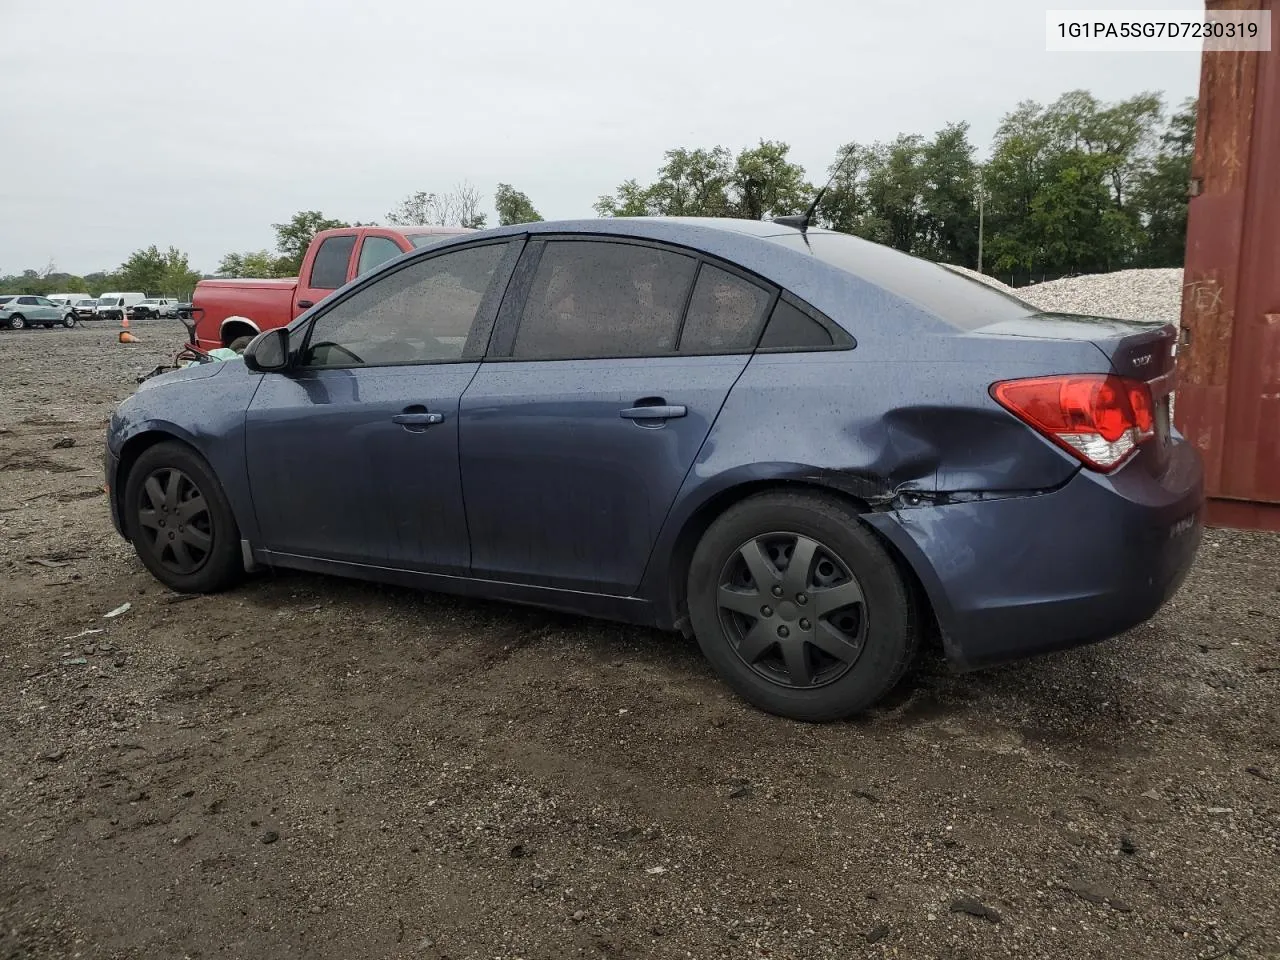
x=654, y=412
x=417, y=420
x=304, y=304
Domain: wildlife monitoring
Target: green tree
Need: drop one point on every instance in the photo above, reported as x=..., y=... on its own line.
x=178, y=279
x=949, y=198
x=293, y=237
x=765, y=184
x=144, y=271
x=630, y=200
x=252, y=264
x=1161, y=192
x=844, y=206
x=693, y=183
x=513, y=206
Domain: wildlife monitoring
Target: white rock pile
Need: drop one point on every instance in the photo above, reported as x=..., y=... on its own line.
x=1125, y=294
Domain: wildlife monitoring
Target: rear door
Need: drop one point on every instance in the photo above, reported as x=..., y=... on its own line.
x=353, y=453
x=610, y=363
x=327, y=272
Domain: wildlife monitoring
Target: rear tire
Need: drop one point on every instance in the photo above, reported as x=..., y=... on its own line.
x=817, y=643
x=180, y=521
x=17, y=322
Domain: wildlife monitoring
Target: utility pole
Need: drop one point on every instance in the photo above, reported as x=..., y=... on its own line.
x=980, y=231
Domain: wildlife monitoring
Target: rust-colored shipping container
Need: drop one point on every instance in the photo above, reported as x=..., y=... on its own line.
x=1229, y=362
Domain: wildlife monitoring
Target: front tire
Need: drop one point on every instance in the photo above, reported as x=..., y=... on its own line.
x=69, y=321
x=800, y=608
x=180, y=522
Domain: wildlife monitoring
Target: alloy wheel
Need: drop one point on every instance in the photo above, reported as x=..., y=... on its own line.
x=174, y=522
x=793, y=611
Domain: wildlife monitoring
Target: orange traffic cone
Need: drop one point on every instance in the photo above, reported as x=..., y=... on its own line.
x=126, y=336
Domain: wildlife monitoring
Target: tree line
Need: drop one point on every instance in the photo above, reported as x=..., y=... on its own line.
x=1074, y=186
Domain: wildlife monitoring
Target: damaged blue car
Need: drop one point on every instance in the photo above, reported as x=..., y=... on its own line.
x=803, y=449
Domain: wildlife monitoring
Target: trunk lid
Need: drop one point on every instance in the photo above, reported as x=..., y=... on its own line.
x=1138, y=350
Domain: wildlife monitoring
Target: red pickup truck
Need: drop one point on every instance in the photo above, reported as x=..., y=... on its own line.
x=227, y=310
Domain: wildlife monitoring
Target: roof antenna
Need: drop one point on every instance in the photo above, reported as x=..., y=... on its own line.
x=801, y=221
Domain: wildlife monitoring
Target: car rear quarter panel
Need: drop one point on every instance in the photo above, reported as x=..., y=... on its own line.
x=889, y=422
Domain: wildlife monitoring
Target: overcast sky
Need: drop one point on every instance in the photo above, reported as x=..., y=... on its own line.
x=199, y=124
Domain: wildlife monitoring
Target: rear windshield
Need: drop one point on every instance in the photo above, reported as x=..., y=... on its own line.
x=426, y=239
x=958, y=300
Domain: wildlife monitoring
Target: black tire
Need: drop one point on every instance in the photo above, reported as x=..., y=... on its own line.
x=17, y=322
x=69, y=321
x=876, y=635
x=149, y=523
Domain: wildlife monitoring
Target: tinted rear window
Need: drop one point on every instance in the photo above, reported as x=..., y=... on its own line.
x=5, y=299
x=960, y=301
x=595, y=299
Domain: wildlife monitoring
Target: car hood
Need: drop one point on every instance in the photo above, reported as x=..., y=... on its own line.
x=197, y=371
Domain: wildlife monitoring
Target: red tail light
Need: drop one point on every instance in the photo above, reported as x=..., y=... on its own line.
x=1098, y=418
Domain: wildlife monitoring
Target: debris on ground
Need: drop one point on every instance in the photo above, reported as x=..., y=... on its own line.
x=975, y=908
x=123, y=608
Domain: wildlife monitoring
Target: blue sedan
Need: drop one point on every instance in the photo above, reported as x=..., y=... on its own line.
x=805, y=450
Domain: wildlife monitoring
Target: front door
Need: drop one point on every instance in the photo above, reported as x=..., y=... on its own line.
x=353, y=454
x=574, y=448
x=329, y=270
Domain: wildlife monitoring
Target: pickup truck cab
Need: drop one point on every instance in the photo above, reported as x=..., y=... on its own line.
x=227, y=310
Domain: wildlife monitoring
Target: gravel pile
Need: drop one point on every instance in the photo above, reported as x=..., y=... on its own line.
x=1124, y=294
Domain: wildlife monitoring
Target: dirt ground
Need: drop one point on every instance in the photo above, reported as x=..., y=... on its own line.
x=307, y=767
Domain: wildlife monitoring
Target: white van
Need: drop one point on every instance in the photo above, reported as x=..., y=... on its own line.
x=66, y=299
x=111, y=306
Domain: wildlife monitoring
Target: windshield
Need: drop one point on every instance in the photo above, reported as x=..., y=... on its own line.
x=956, y=299
x=86, y=303
x=426, y=239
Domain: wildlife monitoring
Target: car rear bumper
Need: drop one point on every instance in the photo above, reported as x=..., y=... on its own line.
x=1018, y=576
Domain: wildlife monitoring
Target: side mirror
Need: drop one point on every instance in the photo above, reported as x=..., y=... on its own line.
x=268, y=352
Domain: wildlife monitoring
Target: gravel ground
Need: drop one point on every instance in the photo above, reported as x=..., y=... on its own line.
x=307, y=767
x=1124, y=294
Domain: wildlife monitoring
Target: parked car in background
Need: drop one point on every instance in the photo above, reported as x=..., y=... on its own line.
x=23, y=310
x=238, y=308
x=154, y=307
x=112, y=306
x=84, y=308
x=66, y=299
x=804, y=449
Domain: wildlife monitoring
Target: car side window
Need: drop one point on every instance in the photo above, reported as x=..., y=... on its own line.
x=375, y=251
x=329, y=269
x=421, y=313
x=45, y=302
x=593, y=299
x=790, y=328
x=29, y=301
x=725, y=313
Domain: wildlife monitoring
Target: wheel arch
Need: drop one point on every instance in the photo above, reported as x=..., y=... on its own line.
x=674, y=608
x=234, y=327
x=130, y=451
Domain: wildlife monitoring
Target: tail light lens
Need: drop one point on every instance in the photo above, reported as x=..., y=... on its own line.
x=1098, y=418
